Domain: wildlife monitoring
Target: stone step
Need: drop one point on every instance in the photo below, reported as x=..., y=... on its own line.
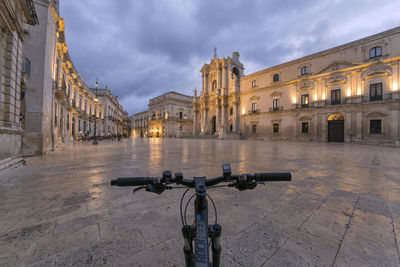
x=11, y=162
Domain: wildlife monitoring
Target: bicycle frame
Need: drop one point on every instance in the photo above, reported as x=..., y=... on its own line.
x=201, y=232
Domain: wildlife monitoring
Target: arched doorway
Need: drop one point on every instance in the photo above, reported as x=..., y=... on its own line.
x=336, y=128
x=213, y=125
x=73, y=127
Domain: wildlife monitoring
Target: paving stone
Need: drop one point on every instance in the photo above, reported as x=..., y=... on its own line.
x=363, y=247
x=60, y=209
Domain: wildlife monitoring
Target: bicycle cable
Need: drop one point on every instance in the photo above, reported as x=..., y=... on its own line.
x=183, y=196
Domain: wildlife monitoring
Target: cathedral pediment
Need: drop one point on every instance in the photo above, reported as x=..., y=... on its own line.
x=336, y=66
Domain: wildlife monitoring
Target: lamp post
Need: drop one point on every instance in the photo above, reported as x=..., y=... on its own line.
x=95, y=116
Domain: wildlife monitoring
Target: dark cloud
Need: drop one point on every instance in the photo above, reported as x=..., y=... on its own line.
x=141, y=49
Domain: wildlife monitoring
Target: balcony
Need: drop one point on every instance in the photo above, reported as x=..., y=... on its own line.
x=335, y=102
x=375, y=98
x=275, y=109
x=309, y=105
x=254, y=111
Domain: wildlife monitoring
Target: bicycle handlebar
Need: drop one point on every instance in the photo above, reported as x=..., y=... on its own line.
x=266, y=177
x=135, y=181
x=273, y=177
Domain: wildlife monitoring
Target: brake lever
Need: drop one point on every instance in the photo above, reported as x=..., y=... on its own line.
x=244, y=184
x=157, y=188
x=138, y=188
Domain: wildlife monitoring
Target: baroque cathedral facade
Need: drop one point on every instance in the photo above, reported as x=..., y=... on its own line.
x=348, y=93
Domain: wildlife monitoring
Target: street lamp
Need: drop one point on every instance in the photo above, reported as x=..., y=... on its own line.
x=95, y=116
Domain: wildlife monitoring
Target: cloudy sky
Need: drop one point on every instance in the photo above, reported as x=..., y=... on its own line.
x=144, y=48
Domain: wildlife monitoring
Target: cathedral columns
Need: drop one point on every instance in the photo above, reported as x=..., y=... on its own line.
x=236, y=115
x=206, y=130
x=206, y=84
x=218, y=115
x=195, y=114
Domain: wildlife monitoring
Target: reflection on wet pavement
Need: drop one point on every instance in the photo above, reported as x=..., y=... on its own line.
x=341, y=208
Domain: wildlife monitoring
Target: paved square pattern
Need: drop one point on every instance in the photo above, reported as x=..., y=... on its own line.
x=342, y=207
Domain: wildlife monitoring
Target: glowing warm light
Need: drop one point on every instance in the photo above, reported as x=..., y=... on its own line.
x=395, y=86
x=294, y=100
x=348, y=92
x=54, y=71
x=315, y=97
x=358, y=91
x=323, y=96
x=243, y=111
x=166, y=115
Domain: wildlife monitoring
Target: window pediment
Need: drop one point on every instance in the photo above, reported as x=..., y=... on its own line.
x=305, y=85
x=376, y=114
x=336, y=80
x=378, y=70
x=305, y=118
x=254, y=98
x=276, y=93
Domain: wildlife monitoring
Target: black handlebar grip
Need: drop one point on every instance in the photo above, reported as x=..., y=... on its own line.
x=134, y=181
x=274, y=177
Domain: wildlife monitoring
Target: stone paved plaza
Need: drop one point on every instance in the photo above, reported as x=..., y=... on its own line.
x=342, y=207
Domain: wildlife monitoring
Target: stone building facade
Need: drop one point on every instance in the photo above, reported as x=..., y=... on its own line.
x=113, y=113
x=216, y=110
x=139, y=124
x=349, y=93
x=59, y=106
x=14, y=67
x=169, y=115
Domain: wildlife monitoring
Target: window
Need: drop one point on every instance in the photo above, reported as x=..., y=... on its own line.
x=214, y=86
x=335, y=97
x=375, y=126
x=275, y=104
x=304, y=127
x=375, y=92
x=90, y=110
x=275, y=78
x=231, y=111
x=254, y=107
x=304, y=70
x=304, y=101
x=276, y=128
x=55, y=114
x=375, y=52
x=180, y=115
x=100, y=115
x=253, y=83
x=26, y=66
x=68, y=122
x=254, y=128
